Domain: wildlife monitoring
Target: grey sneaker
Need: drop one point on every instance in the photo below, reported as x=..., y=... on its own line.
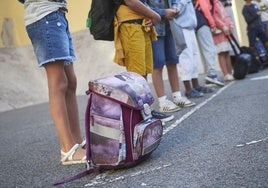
x=161, y=116
x=214, y=80
x=193, y=94
x=182, y=102
x=204, y=89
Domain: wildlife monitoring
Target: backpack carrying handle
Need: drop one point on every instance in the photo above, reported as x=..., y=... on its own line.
x=232, y=38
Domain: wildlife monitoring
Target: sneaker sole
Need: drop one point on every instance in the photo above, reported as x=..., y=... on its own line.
x=192, y=97
x=214, y=82
x=167, y=119
x=186, y=105
x=189, y=105
x=171, y=110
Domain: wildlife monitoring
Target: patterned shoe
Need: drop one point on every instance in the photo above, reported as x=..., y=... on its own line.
x=167, y=106
x=182, y=102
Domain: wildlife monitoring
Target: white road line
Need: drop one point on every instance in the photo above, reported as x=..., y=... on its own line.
x=102, y=180
x=260, y=78
x=177, y=122
x=252, y=142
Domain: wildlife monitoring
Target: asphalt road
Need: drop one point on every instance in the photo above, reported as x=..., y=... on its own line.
x=221, y=142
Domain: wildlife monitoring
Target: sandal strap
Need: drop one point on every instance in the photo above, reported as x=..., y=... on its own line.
x=83, y=144
x=69, y=155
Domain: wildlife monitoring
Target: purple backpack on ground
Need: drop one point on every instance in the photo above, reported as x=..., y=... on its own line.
x=120, y=130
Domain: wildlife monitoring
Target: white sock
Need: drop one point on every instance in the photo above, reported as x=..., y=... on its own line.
x=162, y=99
x=176, y=94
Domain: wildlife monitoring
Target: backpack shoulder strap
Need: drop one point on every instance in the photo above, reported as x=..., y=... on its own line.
x=78, y=176
x=90, y=168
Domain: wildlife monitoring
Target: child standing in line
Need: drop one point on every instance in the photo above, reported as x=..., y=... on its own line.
x=134, y=33
x=188, y=66
x=207, y=48
x=263, y=6
x=164, y=54
x=255, y=27
x=228, y=8
x=224, y=29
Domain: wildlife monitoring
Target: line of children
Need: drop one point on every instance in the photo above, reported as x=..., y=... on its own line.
x=207, y=48
x=164, y=54
x=181, y=12
x=188, y=66
x=224, y=29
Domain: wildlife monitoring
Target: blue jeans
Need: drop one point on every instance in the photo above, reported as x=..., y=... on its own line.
x=256, y=32
x=164, y=50
x=51, y=39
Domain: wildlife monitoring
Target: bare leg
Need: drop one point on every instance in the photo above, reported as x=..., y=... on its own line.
x=228, y=63
x=222, y=63
x=195, y=82
x=71, y=103
x=157, y=78
x=187, y=85
x=57, y=87
x=173, y=77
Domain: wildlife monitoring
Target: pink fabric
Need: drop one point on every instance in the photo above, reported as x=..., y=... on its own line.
x=221, y=20
x=206, y=9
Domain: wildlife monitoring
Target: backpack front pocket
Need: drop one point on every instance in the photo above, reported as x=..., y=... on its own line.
x=147, y=136
x=107, y=141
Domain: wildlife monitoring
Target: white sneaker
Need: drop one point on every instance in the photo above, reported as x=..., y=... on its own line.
x=182, y=102
x=228, y=77
x=168, y=106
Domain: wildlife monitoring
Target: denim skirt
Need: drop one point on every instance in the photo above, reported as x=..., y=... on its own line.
x=51, y=39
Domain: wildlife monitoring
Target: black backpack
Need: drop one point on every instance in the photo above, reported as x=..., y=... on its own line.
x=242, y=60
x=101, y=18
x=256, y=64
x=21, y=1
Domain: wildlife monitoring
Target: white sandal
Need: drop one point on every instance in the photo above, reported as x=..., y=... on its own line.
x=83, y=144
x=67, y=157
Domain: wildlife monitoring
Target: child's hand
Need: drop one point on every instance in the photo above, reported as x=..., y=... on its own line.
x=226, y=30
x=213, y=29
x=154, y=20
x=170, y=13
x=148, y=22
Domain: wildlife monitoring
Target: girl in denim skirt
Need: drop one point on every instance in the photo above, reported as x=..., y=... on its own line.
x=48, y=30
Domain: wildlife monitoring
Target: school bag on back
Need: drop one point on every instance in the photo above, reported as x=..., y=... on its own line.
x=120, y=130
x=101, y=18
